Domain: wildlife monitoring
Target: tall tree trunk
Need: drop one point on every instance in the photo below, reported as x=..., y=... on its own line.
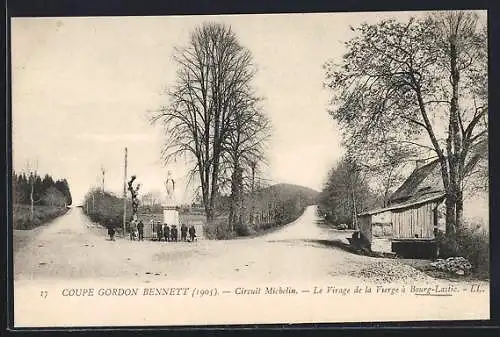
x=450, y=216
x=235, y=197
x=205, y=196
x=457, y=137
x=214, y=185
x=252, y=211
x=354, y=212
x=454, y=202
x=459, y=210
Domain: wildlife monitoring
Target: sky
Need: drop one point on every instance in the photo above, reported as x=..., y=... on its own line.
x=82, y=88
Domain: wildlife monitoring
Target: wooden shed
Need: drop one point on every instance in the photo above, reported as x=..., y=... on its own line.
x=415, y=209
x=391, y=228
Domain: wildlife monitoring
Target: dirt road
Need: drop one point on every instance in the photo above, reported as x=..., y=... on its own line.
x=73, y=248
x=73, y=253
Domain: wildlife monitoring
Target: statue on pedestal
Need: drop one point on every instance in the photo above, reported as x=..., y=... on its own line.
x=170, y=187
x=170, y=212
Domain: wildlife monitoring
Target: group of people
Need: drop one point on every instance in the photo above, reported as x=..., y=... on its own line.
x=171, y=233
x=163, y=231
x=137, y=230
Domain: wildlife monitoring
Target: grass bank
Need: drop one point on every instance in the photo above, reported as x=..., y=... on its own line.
x=22, y=220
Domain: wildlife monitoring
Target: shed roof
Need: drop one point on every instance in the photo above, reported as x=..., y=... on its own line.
x=425, y=183
x=422, y=182
x=427, y=180
x=437, y=197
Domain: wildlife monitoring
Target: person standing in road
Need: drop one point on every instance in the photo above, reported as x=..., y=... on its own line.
x=192, y=233
x=184, y=232
x=166, y=232
x=159, y=230
x=133, y=228
x=140, y=230
x=173, y=233
x=111, y=233
x=152, y=226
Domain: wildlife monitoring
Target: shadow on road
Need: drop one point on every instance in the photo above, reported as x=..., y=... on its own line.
x=321, y=243
x=332, y=244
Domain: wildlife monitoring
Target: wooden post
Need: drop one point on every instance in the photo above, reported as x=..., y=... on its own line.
x=125, y=194
x=103, y=171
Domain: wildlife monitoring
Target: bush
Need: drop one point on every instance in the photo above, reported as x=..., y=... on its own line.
x=472, y=242
x=244, y=229
x=218, y=230
x=105, y=209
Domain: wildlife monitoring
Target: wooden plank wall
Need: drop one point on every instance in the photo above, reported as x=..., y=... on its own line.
x=413, y=221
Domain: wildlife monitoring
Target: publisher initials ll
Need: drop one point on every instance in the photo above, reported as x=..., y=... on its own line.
x=476, y=288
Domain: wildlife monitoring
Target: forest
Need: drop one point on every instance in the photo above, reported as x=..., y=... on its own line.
x=45, y=190
x=37, y=200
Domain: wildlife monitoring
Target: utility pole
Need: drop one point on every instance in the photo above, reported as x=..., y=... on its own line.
x=103, y=171
x=125, y=194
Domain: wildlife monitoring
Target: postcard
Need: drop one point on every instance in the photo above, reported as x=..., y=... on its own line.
x=250, y=169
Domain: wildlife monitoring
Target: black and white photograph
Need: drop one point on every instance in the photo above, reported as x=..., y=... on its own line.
x=250, y=169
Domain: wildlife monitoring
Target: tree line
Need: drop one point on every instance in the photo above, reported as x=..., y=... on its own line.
x=214, y=118
x=105, y=208
x=266, y=207
x=32, y=188
x=346, y=193
x=416, y=90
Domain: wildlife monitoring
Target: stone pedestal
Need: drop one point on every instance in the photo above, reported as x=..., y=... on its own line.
x=171, y=216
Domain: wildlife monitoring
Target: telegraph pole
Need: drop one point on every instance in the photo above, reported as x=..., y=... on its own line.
x=125, y=194
x=103, y=171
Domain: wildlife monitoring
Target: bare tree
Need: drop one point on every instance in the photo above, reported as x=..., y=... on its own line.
x=346, y=192
x=244, y=148
x=383, y=167
x=213, y=71
x=399, y=83
x=151, y=198
x=32, y=172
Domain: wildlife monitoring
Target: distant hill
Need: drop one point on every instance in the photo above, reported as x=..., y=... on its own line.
x=283, y=192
